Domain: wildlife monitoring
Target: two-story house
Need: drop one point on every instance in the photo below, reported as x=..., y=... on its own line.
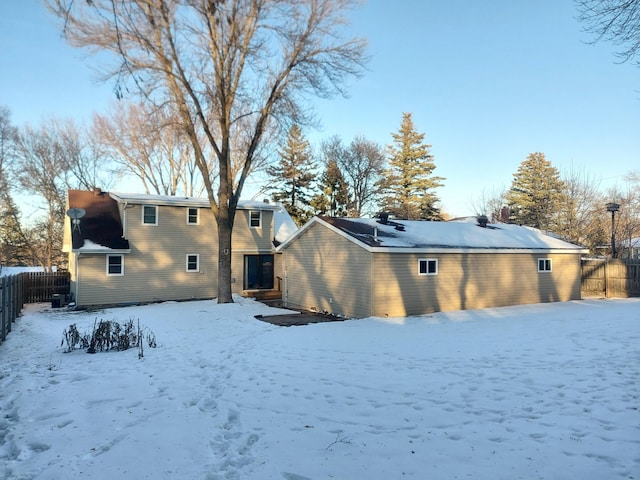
x=132, y=248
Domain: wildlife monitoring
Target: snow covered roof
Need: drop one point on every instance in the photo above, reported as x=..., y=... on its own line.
x=144, y=199
x=434, y=237
x=283, y=225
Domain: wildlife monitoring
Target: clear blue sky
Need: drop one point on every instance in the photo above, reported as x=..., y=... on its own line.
x=488, y=82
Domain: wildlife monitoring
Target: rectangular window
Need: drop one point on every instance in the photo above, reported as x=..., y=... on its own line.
x=255, y=218
x=193, y=217
x=115, y=265
x=428, y=266
x=193, y=262
x=544, y=264
x=149, y=215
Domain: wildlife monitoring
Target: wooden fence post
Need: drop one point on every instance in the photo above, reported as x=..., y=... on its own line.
x=4, y=310
x=11, y=302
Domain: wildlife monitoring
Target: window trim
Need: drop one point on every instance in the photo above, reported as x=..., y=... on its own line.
x=186, y=266
x=197, y=222
x=427, y=273
x=155, y=208
x=547, y=262
x=259, y=212
x=109, y=274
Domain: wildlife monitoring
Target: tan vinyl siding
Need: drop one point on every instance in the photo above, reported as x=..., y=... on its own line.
x=471, y=281
x=326, y=272
x=155, y=269
x=256, y=239
x=278, y=272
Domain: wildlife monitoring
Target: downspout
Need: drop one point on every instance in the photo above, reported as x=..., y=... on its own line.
x=372, y=279
x=124, y=219
x=75, y=298
x=285, y=296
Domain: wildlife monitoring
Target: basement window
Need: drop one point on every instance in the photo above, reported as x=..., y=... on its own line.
x=544, y=265
x=428, y=266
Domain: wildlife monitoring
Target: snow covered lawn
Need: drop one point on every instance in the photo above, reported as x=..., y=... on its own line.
x=530, y=392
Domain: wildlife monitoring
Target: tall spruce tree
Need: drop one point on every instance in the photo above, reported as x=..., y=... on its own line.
x=292, y=177
x=333, y=198
x=535, y=193
x=409, y=182
x=14, y=247
x=12, y=243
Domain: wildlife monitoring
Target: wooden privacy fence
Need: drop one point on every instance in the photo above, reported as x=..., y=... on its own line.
x=41, y=286
x=611, y=277
x=11, y=302
x=28, y=287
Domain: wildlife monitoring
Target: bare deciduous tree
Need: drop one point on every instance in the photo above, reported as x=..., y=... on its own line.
x=145, y=142
x=12, y=238
x=43, y=170
x=580, y=209
x=492, y=204
x=627, y=224
x=8, y=136
x=617, y=21
x=226, y=68
x=88, y=164
x=361, y=162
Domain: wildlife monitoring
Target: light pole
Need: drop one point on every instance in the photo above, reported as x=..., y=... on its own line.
x=613, y=208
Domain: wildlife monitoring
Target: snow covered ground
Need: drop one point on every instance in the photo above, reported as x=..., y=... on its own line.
x=529, y=392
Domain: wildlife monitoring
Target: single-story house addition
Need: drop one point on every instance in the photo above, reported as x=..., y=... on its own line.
x=368, y=267
x=133, y=248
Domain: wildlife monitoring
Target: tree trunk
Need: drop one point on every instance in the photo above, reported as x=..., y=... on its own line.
x=224, y=257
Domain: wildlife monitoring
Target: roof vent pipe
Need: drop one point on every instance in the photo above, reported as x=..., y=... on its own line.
x=375, y=233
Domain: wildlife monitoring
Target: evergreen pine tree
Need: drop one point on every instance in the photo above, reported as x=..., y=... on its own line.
x=293, y=176
x=409, y=182
x=535, y=193
x=14, y=250
x=333, y=199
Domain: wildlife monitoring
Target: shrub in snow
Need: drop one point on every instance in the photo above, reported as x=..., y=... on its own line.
x=108, y=335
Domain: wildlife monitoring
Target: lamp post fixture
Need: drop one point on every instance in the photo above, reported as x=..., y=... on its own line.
x=613, y=208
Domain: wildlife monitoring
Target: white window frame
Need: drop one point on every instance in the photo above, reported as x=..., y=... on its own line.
x=259, y=212
x=186, y=266
x=197, y=222
x=121, y=274
x=155, y=208
x=427, y=260
x=545, y=262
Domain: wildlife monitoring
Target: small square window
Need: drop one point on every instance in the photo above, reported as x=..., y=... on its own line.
x=193, y=262
x=193, y=216
x=149, y=215
x=255, y=217
x=427, y=266
x=115, y=265
x=544, y=264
